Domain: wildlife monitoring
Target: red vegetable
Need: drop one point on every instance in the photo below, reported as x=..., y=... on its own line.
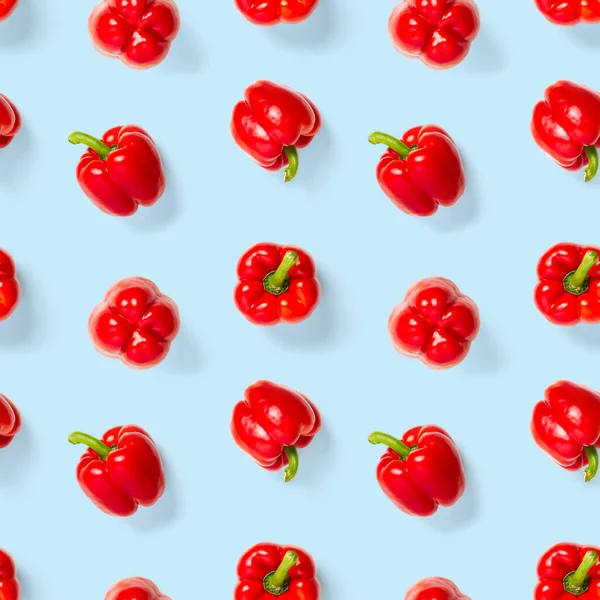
x=138, y=32
x=134, y=588
x=567, y=571
x=566, y=425
x=437, y=33
x=7, y=7
x=420, y=472
x=135, y=323
x=120, y=172
x=10, y=421
x=271, y=123
x=10, y=588
x=120, y=472
x=569, y=284
x=276, y=284
x=435, y=588
x=566, y=126
x=272, y=12
x=421, y=171
x=10, y=120
x=10, y=290
x=569, y=12
x=271, y=423
x=436, y=323
x=269, y=570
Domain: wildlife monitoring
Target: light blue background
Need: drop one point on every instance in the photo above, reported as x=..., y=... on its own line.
x=218, y=503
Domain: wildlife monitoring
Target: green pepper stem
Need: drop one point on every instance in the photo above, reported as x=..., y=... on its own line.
x=277, y=582
x=395, y=444
x=98, y=146
x=592, y=155
x=577, y=282
x=277, y=282
x=98, y=446
x=592, y=468
x=292, y=169
x=578, y=582
x=398, y=146
x=293, y=461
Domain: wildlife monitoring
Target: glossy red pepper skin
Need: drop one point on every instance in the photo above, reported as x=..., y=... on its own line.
x=555, y=297
x=262, y=304
x=10, y=121
x=10, y=589
x=570, y=12
x=258, y=562
x=566, y=125
x=273, y=12
x=135, y=588
x=135, y=323
x=137, y=32
x=271, y=422
x=271, y=123
x=120, y=472
x=419, y=480
x=7, y=7
x=435, y=588
x=435, y=323
x=421, y=171
x=10, y=289
x=122, y=171
x=566, y=425
x=10, y=421
x=554, y=571
x=438, y=33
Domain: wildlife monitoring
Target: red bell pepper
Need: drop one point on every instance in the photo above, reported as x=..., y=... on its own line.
x=135, y=588
x=120, y=172
x=10, y=588
x=10, y=120
x=10, y=290
x=421, y=171
x=10, y=421
x=271, y=123
x=272, y=12
x=276, y=284
x=137, y=32
x=135, y=323
x=438, y=33
x=268, y=570
x=436, y=323
x=569, y=12
x=566, y=126
x=421, y=471
x=7, y=7
x=568, y=571
x=435, y=588
x=566, y=425
x=569, y=284
x=121, y=471
x=271, y=423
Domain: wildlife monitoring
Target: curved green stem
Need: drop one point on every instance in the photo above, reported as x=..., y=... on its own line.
x=592, y=468
x=277, y=582
x=277, y=282
x=98, y=146
x=577, y=282
x=398, y=146
x=592, y=155
x=98, y=446
x=395, y=444
x=578, y=582
x=293, y=462
x=292, y=169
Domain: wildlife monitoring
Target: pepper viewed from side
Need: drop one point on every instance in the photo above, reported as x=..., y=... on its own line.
x=10, y=588
x=10, y=421
x=272, y=12
x=569, y=12
x=10, y=289
x=10, y=120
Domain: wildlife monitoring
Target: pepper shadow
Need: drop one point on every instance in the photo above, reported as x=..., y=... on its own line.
x=29, y=588
x=21, y=26
x=485, y=55
x=16, y=459
x=485, y=356
x=313, y=469
x=166, y=511
x=185, y=57
x=184, y=357
x=15, y=159
x=465, y=512
x=21, y=327
x=320, y=329
x=584, y=35
x=585, y=335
